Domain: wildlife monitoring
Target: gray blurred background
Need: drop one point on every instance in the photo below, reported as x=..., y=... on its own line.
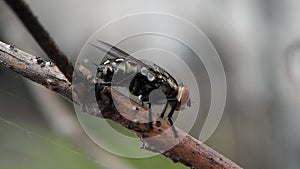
x=260, y=126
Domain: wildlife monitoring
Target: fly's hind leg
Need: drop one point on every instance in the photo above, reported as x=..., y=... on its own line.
x=164, y=111
x=105, y=83
x=150, y=125
x=99, y=89
x=162, y=114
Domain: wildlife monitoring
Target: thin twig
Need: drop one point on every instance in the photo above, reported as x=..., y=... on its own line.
x=42, y=37
x=187, y=150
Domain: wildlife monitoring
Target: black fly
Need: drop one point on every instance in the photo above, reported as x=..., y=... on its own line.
x=142, y=78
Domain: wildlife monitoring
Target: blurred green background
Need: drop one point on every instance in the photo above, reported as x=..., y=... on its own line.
x=260, y=125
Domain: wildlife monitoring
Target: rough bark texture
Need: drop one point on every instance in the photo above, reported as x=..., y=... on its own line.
x=34, y=69
x=187, y=150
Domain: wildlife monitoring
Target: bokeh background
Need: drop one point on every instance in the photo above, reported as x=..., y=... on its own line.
x=260, y=126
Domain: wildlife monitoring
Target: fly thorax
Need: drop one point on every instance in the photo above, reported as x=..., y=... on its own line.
x=172, y=84
x=130, y=67
x=107, y=70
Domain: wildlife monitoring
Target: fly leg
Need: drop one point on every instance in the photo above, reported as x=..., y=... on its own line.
x=171, y=121
x=105, y=83
x=141, y=102
x=162, y=114
x=164, y=111
x=150, y=117
x=99, y=89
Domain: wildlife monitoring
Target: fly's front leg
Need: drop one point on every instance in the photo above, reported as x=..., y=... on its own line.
x=171, y=121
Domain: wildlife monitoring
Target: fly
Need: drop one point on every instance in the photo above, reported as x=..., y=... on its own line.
x=142, y=77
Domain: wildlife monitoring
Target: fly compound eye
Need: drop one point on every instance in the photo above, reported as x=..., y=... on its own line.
x=185, y=96
x=144, y=71
x=150, y=77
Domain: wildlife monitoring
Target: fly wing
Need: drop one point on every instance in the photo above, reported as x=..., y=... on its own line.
x=110, y=55
x=116, y=53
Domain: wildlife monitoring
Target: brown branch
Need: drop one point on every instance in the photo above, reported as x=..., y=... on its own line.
x=27, y=65
x=187, y=150
x=42, y=37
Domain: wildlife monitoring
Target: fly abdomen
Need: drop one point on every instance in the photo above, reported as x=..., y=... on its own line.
x=120, y=72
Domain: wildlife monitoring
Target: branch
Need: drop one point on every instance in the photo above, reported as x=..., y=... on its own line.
x=42, y=37
x=187, y=150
